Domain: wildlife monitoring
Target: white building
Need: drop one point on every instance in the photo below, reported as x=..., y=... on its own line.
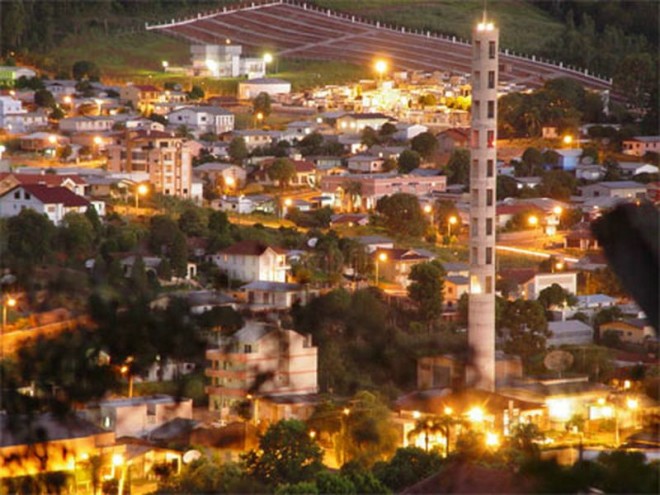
x=286, y=359
x=532, y=287
x=615, y=189
x=355, y=123
x=251, y=260
x=203, y=119
x=225, y=61
x=251, y=88
x=640, y=145
x=138, y=415
x=87, y=124
x=54, y=202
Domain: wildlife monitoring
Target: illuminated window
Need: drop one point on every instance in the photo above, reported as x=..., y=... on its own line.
x=491, y=139
x=489, y=285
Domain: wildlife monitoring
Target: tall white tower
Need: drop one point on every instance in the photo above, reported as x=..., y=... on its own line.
x=483, y=154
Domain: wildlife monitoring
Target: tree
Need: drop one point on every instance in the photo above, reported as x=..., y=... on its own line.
x=409, y=160
x=195, y=93
x=425, y=144
x=458, y=167
x=528, y=329
x=29, y=237
x=386, y=130
x=408, y=466
x=556, y=296
x=286, y=454
x=85, y=70
x=76, y=236
x=262, y=104
x=369, y=137
x=282, y=170
x=402, y=214
x=238, y=149
x=312, y=144
x=193, y=221
x=427, y=100
x=204, y=475
x=44, y=99
x=426, y=287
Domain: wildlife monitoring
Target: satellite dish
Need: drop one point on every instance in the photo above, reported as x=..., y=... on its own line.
x=558, y=361
x=191, y=456
x=312, y=242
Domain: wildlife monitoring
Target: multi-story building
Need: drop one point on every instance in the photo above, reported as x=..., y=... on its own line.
x=225, y=61
x=483, y=152
x=141, y=97
x=260, y=359
x=167, y=160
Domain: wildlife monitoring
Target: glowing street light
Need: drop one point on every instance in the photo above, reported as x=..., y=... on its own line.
x=213, y=66
x=417, y=414
x=476, y=415
x=448, y=410
x=533, y=221
x=492, y=439
x=452, y=220
x=268, y=58
x=259, y=117
x=567, y=140
x=381, y=68
x=230, y=182
x=382, y=257
x=7, y=302
x=52, y=139
x=140, y=190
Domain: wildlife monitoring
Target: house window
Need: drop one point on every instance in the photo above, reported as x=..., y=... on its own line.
x=489, y=285
x=491, y=139
x=491, y=79
x=489, y=256
x=475, y=168
x=489, y=197
x=475, y=256
x=489, y=226
x=475, y=197
x=247, y=349
x=492, y=49
x=490, y=168
x=476, y=80
x=491, y=109
x=477, y=49
x=475, y=139
x=17, y=195
x=475, y=226
x=476, y=108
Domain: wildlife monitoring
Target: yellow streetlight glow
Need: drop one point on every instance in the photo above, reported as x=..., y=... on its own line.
x=476, y=415
x=98, y=140
x=492, y=439
x=428, y=208
x=533, y=221
x=268, y=58
x=448, y=410
x=230, y=182
x=288, y=202
x=559, y=265
x=632, y=404
x=67, y=100
x=228, y=41
x=346, y=411
x=312, y=434
x=142, y=189
x=382, y=257
x=568, y=139
x=626, y=384
x=557, y=210
x=417, y=414
x=52, y=139
x=117, y=460
x=381, y=67
x=601, y=401
x=260, y=116
x=11, y=302
x=453, y=220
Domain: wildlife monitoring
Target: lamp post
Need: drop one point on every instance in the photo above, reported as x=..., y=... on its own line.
x=381, y=257
x=140, y=190
x=452, y=220
x=567, y=140
x=268, y=59
x=165, y=65
x=344, y=426
x=285, y=208
x=258, y=118
x=533, y=221
x=7, y=302
x=381, y=68
x=230, y=182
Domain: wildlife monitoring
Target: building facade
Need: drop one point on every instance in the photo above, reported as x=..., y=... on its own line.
x=166, y=158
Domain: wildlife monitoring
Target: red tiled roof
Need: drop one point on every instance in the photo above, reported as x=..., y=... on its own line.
x=54, y=195
x=46, y=179
x=303, y=166
x=250, y=248
x=146, y=87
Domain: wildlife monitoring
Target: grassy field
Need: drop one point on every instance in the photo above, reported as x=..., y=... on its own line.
x=456, y=17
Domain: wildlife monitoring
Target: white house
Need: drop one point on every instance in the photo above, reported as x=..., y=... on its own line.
x=203, y=119
x=267, y=296
x=355, y=123
x=138, y=415
x=245, y=205
x=232, y=175
x=365, y=164
x=250, y=89
x=532, y=287
x=225, y=61
x=405, y=132
x=54, y=202
x=87, y=124
x=251, y=260
x=630, y=169
x=615, y=189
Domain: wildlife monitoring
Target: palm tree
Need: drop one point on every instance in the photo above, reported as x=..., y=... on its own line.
x=352, y=191
x=433, y=425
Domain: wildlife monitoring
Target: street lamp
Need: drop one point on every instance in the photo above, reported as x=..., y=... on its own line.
x=452, y=220
x=230, y=182
x=7, y=302
x=381, y=257
x=567, y=140
x=533, y=221
x=381, y=68
x=259, y=117
x=140, y=190
x=165, y=65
